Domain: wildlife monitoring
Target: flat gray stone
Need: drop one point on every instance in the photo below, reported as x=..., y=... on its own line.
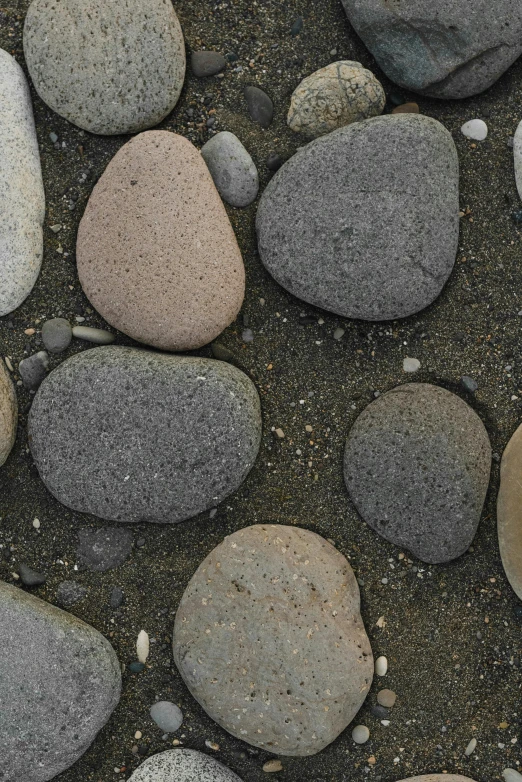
x=56, y=335
x=207, y=63
x=130, y=435
x=363, y=222
x=509, y=511
x=59, y=683
x=260, y=106
x=103, y=549
x=183, y=765
x=269, y=639
x=8, y=413
x=22, y=198
x=118, y=69
x=417, y=464
x=167, y=716
x=33, y=369
x=69, y=593
x=447, y=49
x=232, y=169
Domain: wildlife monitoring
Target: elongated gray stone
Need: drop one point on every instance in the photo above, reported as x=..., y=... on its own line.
x=517, y=158
x=8, y=413
x=232, y=169
x=59, y=683
x=22, y=198
x=183, y=765
x=97, y=336
x=509, y=511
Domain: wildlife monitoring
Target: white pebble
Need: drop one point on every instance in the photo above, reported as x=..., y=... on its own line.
x=471, y=747
x=36, y=523
x=381, y=666
x=360, y=734
x=475, y=129
x=511, y=775
x=338, y=333
x=411, y=364
x=142, y=646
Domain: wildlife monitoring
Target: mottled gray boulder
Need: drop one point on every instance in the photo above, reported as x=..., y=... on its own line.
x=269, y=639
x=117, y=69
x=130, y=435
x=509, y=511
x=22, y=198
x=232, y=169
x=8, y=413
x=59, y=683
x=416, y=464
x=448, y=48
x=183, y=765
x=364, y=221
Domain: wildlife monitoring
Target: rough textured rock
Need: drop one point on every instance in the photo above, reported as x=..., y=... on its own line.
x=130, y=435
x=103, y=549
x=517, y=157
x=56, y=335
x=33, y=369
x=509, y=511
x=269, y=639
x=446, y=49
x=337, y=95
x=183, y=765
x=69, y=593
x=207, y=63
x=22, y=198
x=8, y=413
x=232, y=169
x=364, y=221
x=118, y=69
x=157, y=256
x=59, y=683
x=417, y=465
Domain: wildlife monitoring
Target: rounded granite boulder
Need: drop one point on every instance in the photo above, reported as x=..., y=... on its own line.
x=8, y=413
x=364, y=221
x=509, y=511
x=59, y=683
x=416, y=465
x=183, y=765
x=269, y=639
x=130, y=435
x=117, y=69
x=157, y=256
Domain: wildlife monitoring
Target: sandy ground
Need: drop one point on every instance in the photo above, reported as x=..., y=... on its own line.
x=451, y=633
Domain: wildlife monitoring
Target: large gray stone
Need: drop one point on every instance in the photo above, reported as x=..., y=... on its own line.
x=232, y=169
x=59, y=683
x=117, y=69
x=130, y=435
x=22, y=198
x=448, y=48
x=509, y=511
x=8, y=413
x=364, y=221
x=183, y=765
x=269, y=639
x=417, y=465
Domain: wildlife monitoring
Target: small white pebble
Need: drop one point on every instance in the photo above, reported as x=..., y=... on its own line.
x=475, y=129
x=360, y=734
x=142, y=646
x=471, y=747
x=411, y=364
x=273, y=765
x=138, y=734
x=381, y=666
x=36, y=523
x=280, y=433
x=338, y=333
x=211, y=745
x=8, y=363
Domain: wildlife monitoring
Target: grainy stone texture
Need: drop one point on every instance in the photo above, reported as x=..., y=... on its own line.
x=416, y=464
x=337, y=95
x=130, y=435
x=183, y=765
x=69, y=593
x=118, y=69
x=364, y=221
x=59, y=682
x=22, y=198
x=445, y=49
x=232, y=169
x=157, y=256
x=260, y=106
x=103, y=549
x=8, y=413
x=269, y=639
x=509, y=511
x=207, y=63
x=33, y=369
x=56, y=335
x=517, y=158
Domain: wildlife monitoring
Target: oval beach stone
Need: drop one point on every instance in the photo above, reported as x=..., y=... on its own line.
x=8, y=413
x=183, y=765
x=269, y=639
x=509, y=511
x=130, y=435
x=157, y=255
x=232, y=169
x=417, y=464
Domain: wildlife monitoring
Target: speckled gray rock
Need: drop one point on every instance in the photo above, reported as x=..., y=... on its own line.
x=207, y=63
x=417, y=465
x=130, y=435
x=22, y=198
x=8, y=413
x=56, y=335
x=118, y=69
x=103, y=549
x=232, y=169
x=509, y=511
x=269, y=639
x=33, y=369
x=167, y=716
x=59, y=683
x=69, y=593
x=364, y=221
x=448, y=49
x=183, y=765
x=337, y=95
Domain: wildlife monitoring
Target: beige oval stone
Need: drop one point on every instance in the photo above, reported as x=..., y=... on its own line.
x=157, y=255
x=438, y=778
x=509, y=511
x=8, y=413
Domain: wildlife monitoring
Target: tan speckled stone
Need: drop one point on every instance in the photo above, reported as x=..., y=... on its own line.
x=157, y=256
x=438, y=778
x=509, y=511
x=8, y=413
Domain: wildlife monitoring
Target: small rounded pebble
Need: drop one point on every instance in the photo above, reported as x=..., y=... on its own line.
x=338, y=333
x=136, y=667
x=272, y=766
x=471, y=747
x=232, y=169
x=274, y=161
x=207, y=63
x=167, y=716
x=69, y=593
x=34, y=369
x=297, y=26
x=360, y=734
x=381, y=666
x=30, y=577
x=142, y=646
x=56, y=335
x=260, y=106
x=468, y=384
x=406, y=108
x=97, y=336
x=475, y=129
x=116, y=598
x=411, y=364
x=138, y=734
x=386, y=698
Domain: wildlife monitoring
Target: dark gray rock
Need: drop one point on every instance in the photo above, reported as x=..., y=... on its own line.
x=130, y=435
x=69, y=593
x=56, y=335
x=364, y=221
x=469, y=384
x=207, y=63
x=103, y=549
x=260, y=106
x=274, y=161
x=417, y=465
x=33, y=369
x=232, y=169
x=167, y=716
x=30, y=577
x=116, y=598
x=59, y=683
x=183, y=765
x=447, y=49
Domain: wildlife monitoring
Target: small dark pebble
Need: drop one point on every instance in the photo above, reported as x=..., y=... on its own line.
x=231, y=57
x=33, y=369
x=274, y=161
x=116, y=598
x=297, y=26
x=142, y=749
x=379, y=711
x=136, y=667
x=307, y=320
x=260, y=106
x=468, y=384
x=518, y=611
x=397, y=99
x=30, y=577
x=69, y=593
x=207, y=63
x=517, y=217
x=222, y=353
x=140, y=542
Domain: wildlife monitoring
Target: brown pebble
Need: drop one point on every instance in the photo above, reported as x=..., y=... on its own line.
x=29, y=332
x=273, y=765
x=386, y=698
x=406, y=108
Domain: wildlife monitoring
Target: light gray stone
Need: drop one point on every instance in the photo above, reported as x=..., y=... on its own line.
x=509, y=511
x=117, y=69
x=8, y=413
x=59, y=683
x=97, y=336
x=56, y=335
x=336, y=95
x=232, y=169
x=517, y=158
x=447, y=49
x=364, y=221
x=33, y=369
x=167, y=716
x=207, y=63
x=130, y=435
x=183, y=765
x=22, y=198
x=417, y=464
x=269, y=639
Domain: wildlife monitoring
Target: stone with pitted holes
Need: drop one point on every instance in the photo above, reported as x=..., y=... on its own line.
x=8, y=413
x=183, y=765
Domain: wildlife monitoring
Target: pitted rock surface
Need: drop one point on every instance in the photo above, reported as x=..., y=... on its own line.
x=183, y=765
x=8, y=413
x=509, y=511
